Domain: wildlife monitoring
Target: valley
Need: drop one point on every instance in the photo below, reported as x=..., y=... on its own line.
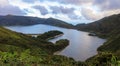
x=73, y=48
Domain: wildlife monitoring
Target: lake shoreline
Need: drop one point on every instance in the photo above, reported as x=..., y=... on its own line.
x=79, y=40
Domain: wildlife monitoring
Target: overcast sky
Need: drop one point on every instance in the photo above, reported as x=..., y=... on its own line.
x=71, y=11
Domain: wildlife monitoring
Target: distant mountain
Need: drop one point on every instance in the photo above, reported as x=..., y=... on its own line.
x=11, y=20
x=59, y=23
x=103, y=26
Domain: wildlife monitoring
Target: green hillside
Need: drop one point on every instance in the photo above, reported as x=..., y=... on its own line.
x=102, y=27
x=109, y=52
x=112, y=44
x=17, y=49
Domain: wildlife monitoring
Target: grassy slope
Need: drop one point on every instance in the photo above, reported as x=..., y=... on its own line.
x=112, y=44
x=40, y=52
x=8, y=37
x=20, y=42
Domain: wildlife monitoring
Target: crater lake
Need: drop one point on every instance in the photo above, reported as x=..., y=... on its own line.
x=81, y=47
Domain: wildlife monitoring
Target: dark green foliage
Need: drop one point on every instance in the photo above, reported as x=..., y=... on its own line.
x=23, y=58
x=26, y=59
x=103, y=59
x=49, y=35
x=112, y=44
x=60, y=44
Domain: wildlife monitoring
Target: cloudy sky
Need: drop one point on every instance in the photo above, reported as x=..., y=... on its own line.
x=71, y=11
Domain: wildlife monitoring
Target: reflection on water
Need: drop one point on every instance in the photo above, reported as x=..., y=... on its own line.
x=81, y=45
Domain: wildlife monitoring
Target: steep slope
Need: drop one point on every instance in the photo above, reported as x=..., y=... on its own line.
x=108, y=53
x=11, y=20
x=112, y=44
x=8, y=37
x=103, y=27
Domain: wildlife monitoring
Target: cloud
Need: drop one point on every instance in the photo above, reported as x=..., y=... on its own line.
x=64, y=10
x=103, y=4
x=10, y=10
x=29, y=1
x=3, y=3
x=73, y=2
x=42, y=9
x=107, y=4
x=89, y=14
x=101, y=9
x=6, y=8
x=110, y=12
x=86, y=10
x=74, y=16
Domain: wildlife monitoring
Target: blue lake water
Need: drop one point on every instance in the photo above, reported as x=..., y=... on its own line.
x=81, y=47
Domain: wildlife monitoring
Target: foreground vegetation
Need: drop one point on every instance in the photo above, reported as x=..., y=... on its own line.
x=26, y=59
x=103, y=59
